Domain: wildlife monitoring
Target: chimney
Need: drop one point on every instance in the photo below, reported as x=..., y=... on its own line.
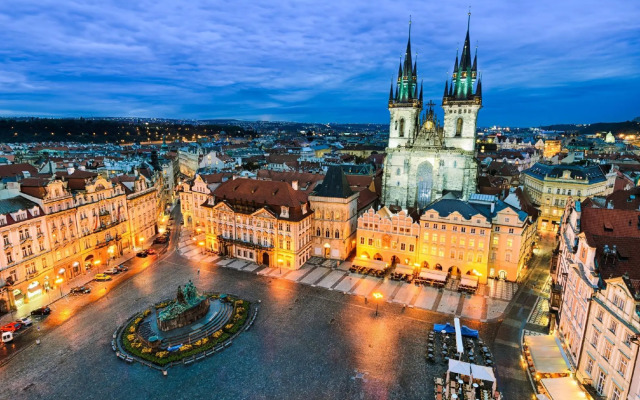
x=81, y=168
x=294, y=184
x=70, y=170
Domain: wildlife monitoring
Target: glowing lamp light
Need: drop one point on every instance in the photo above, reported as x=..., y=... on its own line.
x=96, y=262
x=363, y=256
x=161, y=230
x=59, y=280
x=200, y=243
x=327, y=245
x=377, y=295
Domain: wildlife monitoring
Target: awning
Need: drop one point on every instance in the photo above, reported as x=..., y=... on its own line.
x=459, y=367
x=469, y=281
x=403, y=269
x=375, y=264
x=482, y=373
x=546, y=355
x=448, y=328
x=562, y=388
x=434, y=275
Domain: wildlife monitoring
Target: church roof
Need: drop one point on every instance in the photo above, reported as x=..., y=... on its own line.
x=335, y=184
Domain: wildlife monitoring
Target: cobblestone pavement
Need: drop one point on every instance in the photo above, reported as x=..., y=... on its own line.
x=489, y=302
x=307, y=342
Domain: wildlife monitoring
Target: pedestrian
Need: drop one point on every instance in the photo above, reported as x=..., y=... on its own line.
x=198, y=271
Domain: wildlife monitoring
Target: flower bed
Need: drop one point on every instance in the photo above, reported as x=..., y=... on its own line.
x=162, y=357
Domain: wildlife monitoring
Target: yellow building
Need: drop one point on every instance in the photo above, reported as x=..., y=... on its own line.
x=25, y=262
x=56, y=200
x=143, y=208
x=551, y=148
x=483, y=237
x=335, y=208
x=550, y=187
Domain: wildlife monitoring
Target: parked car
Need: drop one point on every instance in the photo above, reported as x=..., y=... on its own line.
x=160, y=240
x=102, y=277
x=122, y=268
x=41, y=311
x=111, y=271
x=80, y=290
x=11, y=327
x=152, y=251
x=142, y=253
x=26, y=321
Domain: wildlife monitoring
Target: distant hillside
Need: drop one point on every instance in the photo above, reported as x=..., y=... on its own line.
x=103, y=131
x=613, y=127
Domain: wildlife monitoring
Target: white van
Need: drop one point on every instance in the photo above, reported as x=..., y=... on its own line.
x=7, y=337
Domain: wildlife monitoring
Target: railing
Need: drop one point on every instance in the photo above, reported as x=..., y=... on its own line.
x=243, y=243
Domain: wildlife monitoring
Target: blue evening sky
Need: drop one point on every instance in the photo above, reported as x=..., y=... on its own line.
x=544, y=61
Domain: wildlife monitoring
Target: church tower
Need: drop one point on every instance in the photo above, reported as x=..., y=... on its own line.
x=405, y=105
x=460, y=103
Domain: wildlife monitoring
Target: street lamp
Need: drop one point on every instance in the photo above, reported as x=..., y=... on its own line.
x=201, y=244
x=377, y=296
x=280, y=265
x=327, y=246
x=141, y=240
x=58, y=282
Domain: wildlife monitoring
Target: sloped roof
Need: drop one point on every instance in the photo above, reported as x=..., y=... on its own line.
x=12, y=170
x=335, y=184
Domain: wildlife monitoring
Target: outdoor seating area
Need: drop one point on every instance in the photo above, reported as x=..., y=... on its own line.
x=468, y=283
x=467, y=381
x=469, y=363
x=402, y=273
x=432, y=277
x=369, y=267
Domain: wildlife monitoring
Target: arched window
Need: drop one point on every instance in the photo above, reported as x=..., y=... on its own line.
x=331, y=215
x=327, y=234
x=398, y=172
x=318, y=233
x=459, y=127
x=401, y=134
x=396, y=128
x=337, y=234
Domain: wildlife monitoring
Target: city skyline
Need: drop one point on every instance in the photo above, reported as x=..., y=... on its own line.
x=297, y=62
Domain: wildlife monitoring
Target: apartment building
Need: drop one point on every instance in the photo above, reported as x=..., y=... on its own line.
x=551, y=186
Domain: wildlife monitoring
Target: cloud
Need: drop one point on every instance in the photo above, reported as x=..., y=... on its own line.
x=315, y=61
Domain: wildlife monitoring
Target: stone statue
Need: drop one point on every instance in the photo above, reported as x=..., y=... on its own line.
x=187, y=307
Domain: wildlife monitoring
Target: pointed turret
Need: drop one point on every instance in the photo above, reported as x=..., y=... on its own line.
x=465, y=59
x=446, y=88
x=400, y=71
x=420, y=92
x=479, y=88
x=415, y=69
x=391, y=93
x=474, y=68
x=397, y=94
x=455, y=65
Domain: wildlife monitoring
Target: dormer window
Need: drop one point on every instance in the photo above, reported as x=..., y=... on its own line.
x=284, y=212
x=3, y=220
x=304, y=209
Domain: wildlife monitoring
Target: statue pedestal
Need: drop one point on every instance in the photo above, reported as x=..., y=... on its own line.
x=186, y=317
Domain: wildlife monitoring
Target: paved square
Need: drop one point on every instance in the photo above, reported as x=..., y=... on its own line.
x=348, y=283
x=449, y=302
x=426, y=298
x=331, y=279
x=366, y=286
x=314, y=276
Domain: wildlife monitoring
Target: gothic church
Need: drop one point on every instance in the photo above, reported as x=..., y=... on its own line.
x=425, y=160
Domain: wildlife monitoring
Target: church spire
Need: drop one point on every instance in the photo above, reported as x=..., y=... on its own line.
x=407, y=55
x=446, y=88
x=474, y=67
x=420, y=98
x=465, y=59
x=391, y=92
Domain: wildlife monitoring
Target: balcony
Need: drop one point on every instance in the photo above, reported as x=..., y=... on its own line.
x=239, y=242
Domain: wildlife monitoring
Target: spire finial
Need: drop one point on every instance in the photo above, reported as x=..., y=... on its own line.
x=409, y=26
x=469, y=18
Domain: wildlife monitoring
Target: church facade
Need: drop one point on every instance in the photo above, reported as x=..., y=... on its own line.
x=425, y=160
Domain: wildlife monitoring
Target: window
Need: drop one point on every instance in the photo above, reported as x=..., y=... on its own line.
x=460, y=255
x=463, y=229
x=511, y=230
x=433, y=250
x=613, y=325
x=426, y=224
x=442, y=239
x=452, y=254
x=402, y=246
x=589, y=367
x=401, y=134
x=473, y=231
x=370, y=242
x=615, y=394
x=327, y=234
x=509, y=242
x=495, y=240
x=507, y=257
x=479, y=258
x=411, y=247
x=602, y=377
x=472, y=242
x=606, y=353
x=318, y=233
x=337, y=234
x=434, y=237
x=443, y=227
x=459, y=127
x=618, y=301
x=481, y=245
x=435, y=226
x=595, y=337
x=362, y=240
x=600, y=314
x=622, y=365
